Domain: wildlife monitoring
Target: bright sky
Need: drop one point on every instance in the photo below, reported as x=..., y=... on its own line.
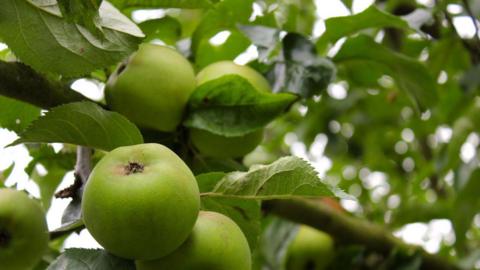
x=429, y=235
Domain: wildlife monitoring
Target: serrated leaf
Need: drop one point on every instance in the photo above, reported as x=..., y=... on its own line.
x=90, y=259
x=49, y=43
x=16, y=115
x=306, y=74
x=372, y=17
x=410, y=75
x=231, y=106
x=82, y=123
x=285, y=178
x=245, y=213
x=163, y=3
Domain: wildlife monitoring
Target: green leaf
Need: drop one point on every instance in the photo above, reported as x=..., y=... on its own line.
x=285, y=178
x=245, y=213
x=266, y=39
x=410, y=75
x=223, y=16
x=83, y=12
x=467, y=123
x=274, y=243
x=162, y=3
x=466, y=205
x=5, y=174
x=166, y=29
x=73, y=225
x=231, y=106
x=208, y=53
x=16, y=115
x=90, y=259
x=48, y=184
x=49, y=43
x=208, y=181
x=45, y=155
x=306, y=74
x=82, y=123
x=372, y=17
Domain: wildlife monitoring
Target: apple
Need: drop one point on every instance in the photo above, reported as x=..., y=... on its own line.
x=216, y=243
x=153, y=88
x=141, y=201
x=222, y=68
x=311, y=249
x=218, y=146
x=23, y=231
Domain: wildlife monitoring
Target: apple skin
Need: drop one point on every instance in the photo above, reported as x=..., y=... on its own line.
x=216, y=243
x=23, y=231
x=141, y=201
x=311, y=249
x=218, y=146
x=153, y=89
x=222, y=68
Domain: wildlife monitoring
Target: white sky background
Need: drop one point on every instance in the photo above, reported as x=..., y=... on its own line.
x=428, y=235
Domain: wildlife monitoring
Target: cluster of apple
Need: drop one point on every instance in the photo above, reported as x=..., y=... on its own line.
x=142, y=202
x=152, y=90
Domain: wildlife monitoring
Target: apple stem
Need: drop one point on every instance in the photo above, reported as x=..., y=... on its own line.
x=133, y=167
x=4, y=238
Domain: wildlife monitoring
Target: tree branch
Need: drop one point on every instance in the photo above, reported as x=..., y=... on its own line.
x=346, y=229
x=21, y=82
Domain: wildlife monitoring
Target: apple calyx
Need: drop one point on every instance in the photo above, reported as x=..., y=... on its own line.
x=133, y=167
x=4, y=238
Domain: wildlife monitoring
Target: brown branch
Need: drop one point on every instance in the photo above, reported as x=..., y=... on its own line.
x=349, y=230
x=21, y=82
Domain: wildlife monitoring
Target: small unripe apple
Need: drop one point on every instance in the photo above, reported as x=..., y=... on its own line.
x=153, y=88
x=222, y=68
x=23, y=231
x=310, y=250
x=218, y=146
x=140, y=201
x=216, y=243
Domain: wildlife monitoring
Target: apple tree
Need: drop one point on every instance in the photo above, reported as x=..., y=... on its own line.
x=241, y=134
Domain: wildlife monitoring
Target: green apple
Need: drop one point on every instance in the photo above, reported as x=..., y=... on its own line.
x=216, y=243
x=153, y=88
x=140, y=201
x=218, y=146
x=311, y=249
x=222, y=68
x=23, y=231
